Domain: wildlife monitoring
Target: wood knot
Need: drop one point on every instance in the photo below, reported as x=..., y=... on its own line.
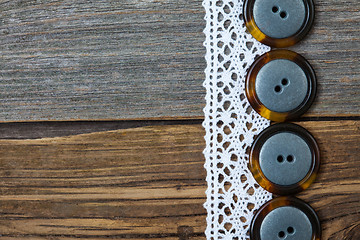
x=5, y=31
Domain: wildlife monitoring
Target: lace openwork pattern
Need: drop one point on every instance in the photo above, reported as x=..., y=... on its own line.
x=230, y=122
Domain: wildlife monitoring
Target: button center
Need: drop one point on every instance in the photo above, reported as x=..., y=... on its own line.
x=281, y=85
x=285, y=158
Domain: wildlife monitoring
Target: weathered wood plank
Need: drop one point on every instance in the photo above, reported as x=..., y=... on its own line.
x=149, y=183
x=333, y=49
x=101, y=59
x=107, y=59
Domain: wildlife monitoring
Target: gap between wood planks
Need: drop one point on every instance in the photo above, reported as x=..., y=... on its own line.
x=42, y=129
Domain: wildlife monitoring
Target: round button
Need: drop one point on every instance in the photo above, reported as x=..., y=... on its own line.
x=284, y=159
x=285, y=218
x=281, y=85
x=278, y=23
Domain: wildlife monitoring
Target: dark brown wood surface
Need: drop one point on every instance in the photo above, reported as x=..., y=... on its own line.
x=105, y=59
x=139, y=66
x=149, y=182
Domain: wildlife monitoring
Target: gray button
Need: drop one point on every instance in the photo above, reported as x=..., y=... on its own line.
x=285, y=158
x=279, y=18
x=288, y=223
x=281, y=85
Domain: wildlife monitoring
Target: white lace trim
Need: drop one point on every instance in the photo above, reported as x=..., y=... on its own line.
x=230, y=122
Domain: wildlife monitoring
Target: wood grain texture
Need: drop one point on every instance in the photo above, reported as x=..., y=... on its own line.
x=149, y=182
x=101, y=59
x=47, y=129
x=333, y=49
x=106, y=59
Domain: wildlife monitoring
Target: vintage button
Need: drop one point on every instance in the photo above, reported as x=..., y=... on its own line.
x=284, y=159
x=281, y=85
x=278, y=23
x=285, y=218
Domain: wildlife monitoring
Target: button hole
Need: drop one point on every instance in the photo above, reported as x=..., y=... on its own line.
x=280, y=159
x=290, y=230
x=283, y=14
x=284, y=82
x=277, y=89
x=290, y=158
x=281, y=234
x=275, y=9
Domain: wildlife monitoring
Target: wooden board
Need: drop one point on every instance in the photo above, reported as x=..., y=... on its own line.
x=149, y=182
x=106, y=59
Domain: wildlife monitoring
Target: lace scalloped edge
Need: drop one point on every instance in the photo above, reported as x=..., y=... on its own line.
x=230, y=123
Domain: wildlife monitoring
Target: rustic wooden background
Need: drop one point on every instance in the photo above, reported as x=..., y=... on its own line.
x=130, y=73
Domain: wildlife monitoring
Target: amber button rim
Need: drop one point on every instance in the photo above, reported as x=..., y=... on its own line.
x=254, y=100
x=278, y=42
x=254, y=164
x=283, y=202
